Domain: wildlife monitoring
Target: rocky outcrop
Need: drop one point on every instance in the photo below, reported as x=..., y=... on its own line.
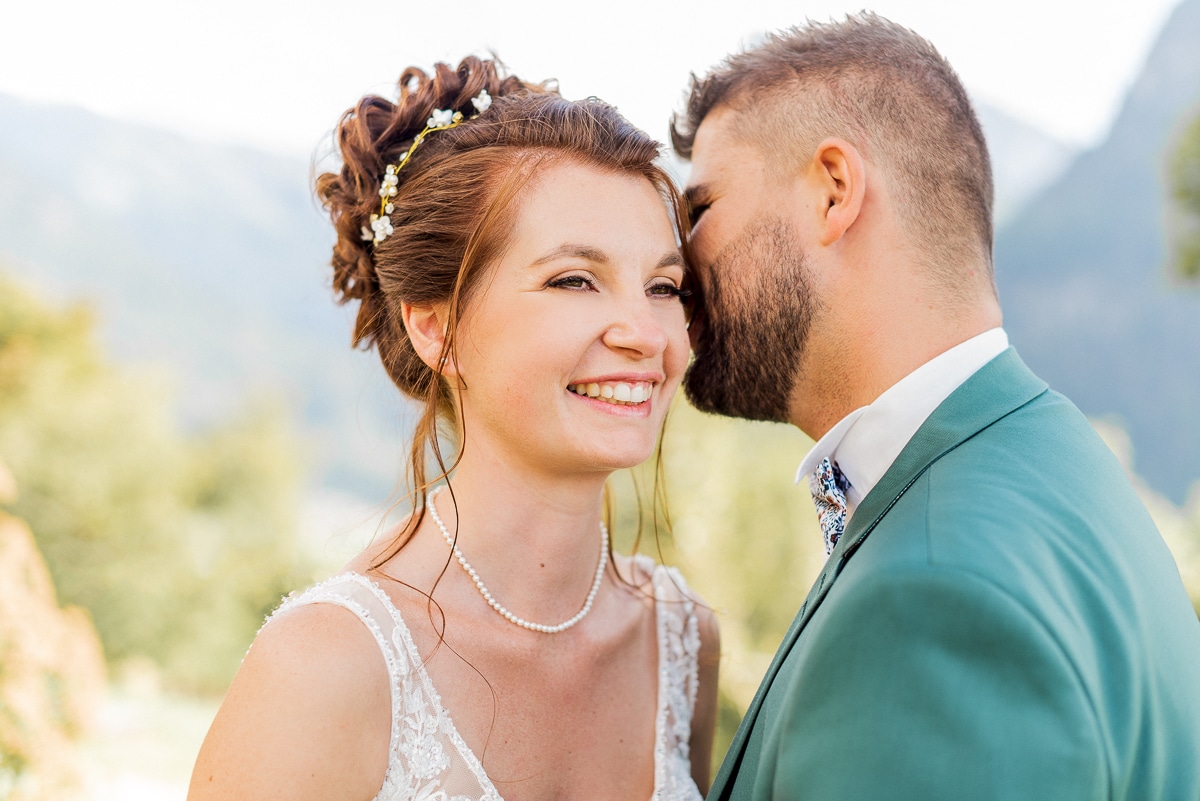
x=52, y=674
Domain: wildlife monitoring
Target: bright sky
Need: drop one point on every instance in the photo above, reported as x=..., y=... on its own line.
x=277, y=73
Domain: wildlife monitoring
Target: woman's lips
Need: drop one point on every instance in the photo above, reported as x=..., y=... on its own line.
x=629, y=393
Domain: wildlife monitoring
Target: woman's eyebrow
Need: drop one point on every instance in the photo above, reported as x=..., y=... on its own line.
x=597, y=256
x=569, y=250
x=672, y=259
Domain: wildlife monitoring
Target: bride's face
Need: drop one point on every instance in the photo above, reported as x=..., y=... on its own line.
x=576, y=342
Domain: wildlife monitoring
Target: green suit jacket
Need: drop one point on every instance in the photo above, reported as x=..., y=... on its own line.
x=1000, y=620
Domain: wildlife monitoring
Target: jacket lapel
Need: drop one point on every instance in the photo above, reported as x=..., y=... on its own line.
x=997, y=389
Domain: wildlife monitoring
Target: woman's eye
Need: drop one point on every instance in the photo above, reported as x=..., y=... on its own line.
x=667, y=290
x=572, y=282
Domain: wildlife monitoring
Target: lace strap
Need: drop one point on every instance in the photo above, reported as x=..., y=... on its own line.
x=678, y=678
x=427, y=756
x=370, y=604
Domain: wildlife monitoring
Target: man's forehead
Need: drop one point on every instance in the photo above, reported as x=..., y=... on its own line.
x=720, y=149
x=714, y=140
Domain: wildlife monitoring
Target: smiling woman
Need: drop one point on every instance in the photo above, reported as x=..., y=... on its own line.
x=602, y=311
x=516, y=261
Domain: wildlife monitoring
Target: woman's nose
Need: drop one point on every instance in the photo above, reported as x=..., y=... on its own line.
x=635, y=327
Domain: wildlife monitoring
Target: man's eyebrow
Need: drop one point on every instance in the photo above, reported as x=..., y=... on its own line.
x=697, y=195
x=568, y=250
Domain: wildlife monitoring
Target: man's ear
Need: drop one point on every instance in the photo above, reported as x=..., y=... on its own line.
x=841, y=177
x=426, y=326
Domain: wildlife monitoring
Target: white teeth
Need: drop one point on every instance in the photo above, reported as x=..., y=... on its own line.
x=619, y=393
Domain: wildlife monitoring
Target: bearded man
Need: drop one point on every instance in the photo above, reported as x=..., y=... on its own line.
x=998, y=616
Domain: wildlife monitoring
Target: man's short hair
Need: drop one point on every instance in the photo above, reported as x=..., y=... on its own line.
x=888, y=92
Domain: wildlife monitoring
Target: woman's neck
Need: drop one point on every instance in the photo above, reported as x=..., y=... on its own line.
x=532, y=536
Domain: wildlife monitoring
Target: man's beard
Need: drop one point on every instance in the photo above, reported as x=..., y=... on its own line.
x=747, y=353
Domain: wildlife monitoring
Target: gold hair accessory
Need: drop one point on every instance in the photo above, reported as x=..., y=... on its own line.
x=442, y=119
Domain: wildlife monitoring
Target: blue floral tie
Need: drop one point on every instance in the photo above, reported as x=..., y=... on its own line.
x=828, y=486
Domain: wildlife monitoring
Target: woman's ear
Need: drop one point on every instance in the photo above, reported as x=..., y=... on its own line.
x=841, y=177
x=426, y=326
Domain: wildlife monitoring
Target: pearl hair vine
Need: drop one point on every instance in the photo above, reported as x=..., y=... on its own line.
x=442, y=119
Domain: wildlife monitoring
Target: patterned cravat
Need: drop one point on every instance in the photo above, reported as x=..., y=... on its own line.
x=828, y=486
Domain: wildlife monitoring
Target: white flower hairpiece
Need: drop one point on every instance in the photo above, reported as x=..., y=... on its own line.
x=442, y=119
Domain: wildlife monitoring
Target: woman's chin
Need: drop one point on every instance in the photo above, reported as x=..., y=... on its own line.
x=611, y=459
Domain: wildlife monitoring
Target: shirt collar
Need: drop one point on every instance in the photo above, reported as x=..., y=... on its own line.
x=865, y=442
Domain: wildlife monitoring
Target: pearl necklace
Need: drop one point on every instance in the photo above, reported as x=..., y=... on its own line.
x=499, y=607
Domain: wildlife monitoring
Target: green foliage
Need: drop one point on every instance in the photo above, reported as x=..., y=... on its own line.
x=1185, y=546
x=1184, y=180
x=1180, y=529
x=176, y=544
x=1179, y=526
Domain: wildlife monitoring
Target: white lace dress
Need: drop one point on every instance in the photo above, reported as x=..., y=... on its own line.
x=428, y=759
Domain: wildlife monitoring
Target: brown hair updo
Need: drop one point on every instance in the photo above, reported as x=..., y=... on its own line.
x=455, y=207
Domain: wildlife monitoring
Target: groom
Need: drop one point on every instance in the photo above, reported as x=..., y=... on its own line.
x=998, y=616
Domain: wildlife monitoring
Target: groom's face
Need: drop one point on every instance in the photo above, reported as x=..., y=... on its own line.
x=756, y=295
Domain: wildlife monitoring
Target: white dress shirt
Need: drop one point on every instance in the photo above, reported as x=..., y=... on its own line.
x=865, y=442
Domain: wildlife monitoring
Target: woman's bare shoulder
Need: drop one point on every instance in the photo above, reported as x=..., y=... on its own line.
x=326, y=641
x=308, y=714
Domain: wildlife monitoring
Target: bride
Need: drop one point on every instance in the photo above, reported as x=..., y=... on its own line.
x=516, y=263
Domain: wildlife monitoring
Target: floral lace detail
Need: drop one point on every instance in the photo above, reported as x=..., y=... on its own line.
x=429, y=760
x=678, y=679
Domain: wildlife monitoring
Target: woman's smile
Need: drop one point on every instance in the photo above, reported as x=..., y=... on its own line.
x=630, y=399
x=632, y=393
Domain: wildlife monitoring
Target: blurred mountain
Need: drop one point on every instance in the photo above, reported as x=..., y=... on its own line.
x=1083, y=274
x=213, y=260
x=1025, y=159
x=209, y=259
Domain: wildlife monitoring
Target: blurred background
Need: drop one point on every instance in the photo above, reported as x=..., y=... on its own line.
x=186, y=435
